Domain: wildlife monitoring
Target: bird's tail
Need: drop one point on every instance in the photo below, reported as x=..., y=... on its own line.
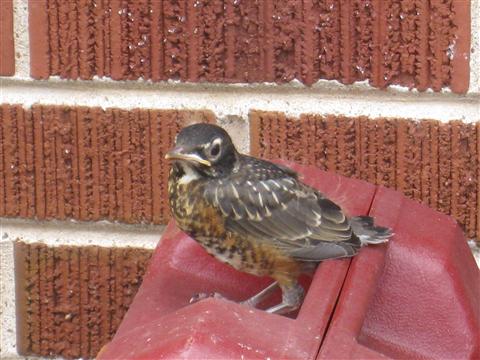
x=367, y=232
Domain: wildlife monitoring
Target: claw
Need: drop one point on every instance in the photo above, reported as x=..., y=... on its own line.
x=197, y=297
x=201, y=296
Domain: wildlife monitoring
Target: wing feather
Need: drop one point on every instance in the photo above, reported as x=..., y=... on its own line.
x=273, y=206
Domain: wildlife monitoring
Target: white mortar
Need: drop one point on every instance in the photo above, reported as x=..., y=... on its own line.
x=72, y=233
x=239, y=129
x=7, y=302
x=227, y=101
x=21, y=36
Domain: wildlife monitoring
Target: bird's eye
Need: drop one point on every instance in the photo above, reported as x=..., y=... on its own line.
x=214, y=150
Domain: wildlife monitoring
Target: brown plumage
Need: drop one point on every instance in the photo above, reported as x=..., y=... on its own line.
x=257, y=216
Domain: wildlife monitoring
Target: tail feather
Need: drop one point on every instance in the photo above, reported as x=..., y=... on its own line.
x=367, y=232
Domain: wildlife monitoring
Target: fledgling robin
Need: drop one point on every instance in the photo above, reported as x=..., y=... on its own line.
x=257, y=216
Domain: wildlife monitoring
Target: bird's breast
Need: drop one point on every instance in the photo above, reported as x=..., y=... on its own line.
x=192, y=212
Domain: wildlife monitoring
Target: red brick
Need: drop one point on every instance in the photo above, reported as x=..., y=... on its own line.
x=43, y=60
x=433, y=162
x=11, y=155
x=60, y=162
x=477, y=127
x=415, y=43
x=70, y=300
x=7, y=48
x=88, y=153
x=464, y=170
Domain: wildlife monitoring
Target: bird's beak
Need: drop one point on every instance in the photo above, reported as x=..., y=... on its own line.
x=179, y=154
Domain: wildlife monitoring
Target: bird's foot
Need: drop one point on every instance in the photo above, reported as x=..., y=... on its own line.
x=292, y=298
x=201, y=296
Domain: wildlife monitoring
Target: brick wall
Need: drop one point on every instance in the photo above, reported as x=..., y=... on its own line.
x=71, y=299
x=88, y=163
x=94, y=91
x=384, y=42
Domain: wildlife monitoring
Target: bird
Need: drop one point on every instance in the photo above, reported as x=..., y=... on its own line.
x=257, y=216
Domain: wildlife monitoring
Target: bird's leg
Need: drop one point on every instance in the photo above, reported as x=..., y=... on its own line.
x=262, y=295
x=292, y=297
x=253, y=301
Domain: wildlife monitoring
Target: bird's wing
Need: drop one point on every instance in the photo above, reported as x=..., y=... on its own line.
x=284, y=212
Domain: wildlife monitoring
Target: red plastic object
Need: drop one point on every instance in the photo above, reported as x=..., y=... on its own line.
x=418, y=296
x=419, y=300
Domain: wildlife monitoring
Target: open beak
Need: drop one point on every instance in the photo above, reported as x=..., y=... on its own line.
x=178, y=154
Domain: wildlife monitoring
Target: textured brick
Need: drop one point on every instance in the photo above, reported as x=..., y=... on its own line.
x=416, y=43
x=433, y=162
x=60, y=162
x=70, y=300
x=7, y=49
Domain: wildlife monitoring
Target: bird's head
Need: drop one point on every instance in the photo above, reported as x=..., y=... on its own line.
x=206, y=149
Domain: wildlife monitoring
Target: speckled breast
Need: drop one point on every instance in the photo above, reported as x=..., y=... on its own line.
x=192, y=213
